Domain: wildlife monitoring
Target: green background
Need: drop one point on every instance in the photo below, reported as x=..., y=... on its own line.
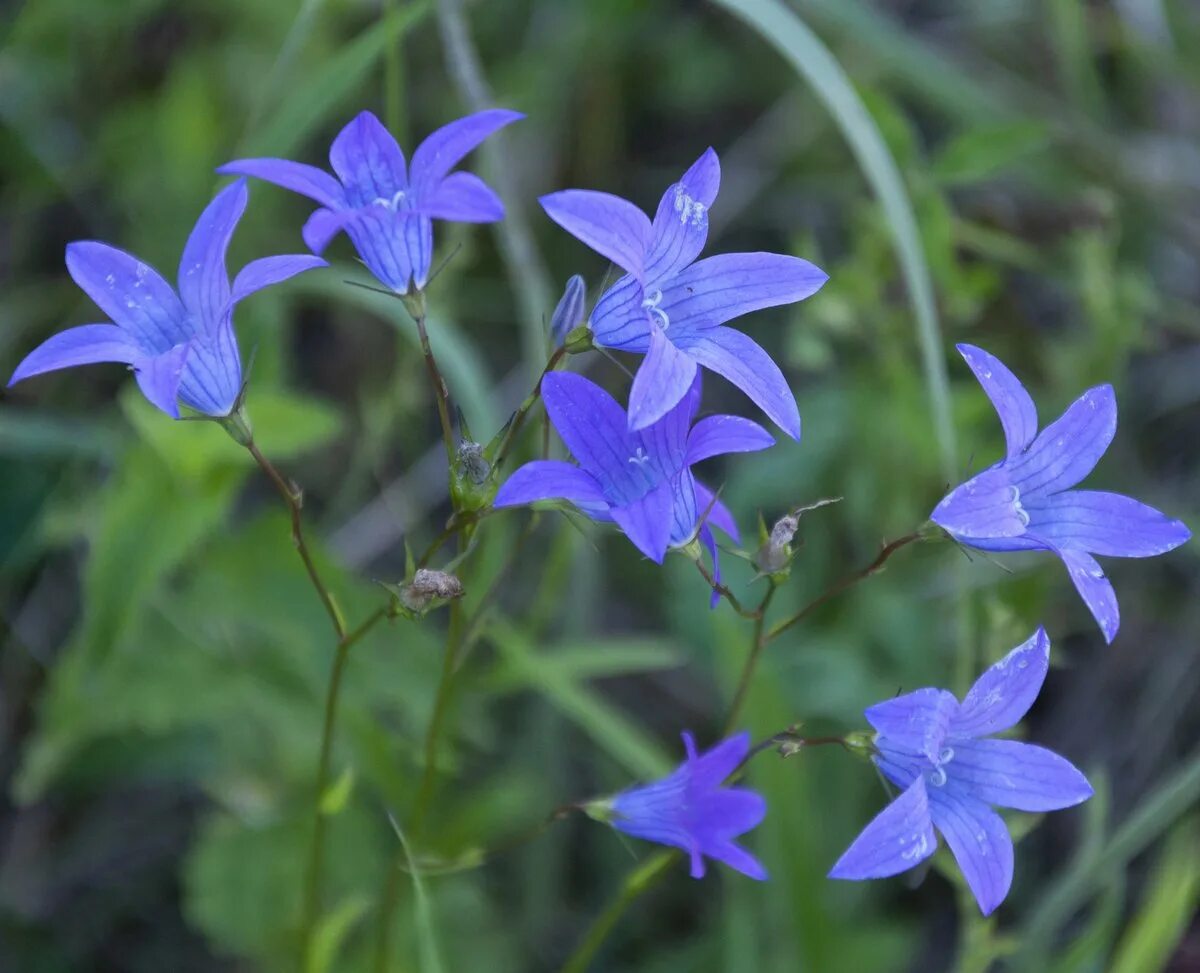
x=1024, y=175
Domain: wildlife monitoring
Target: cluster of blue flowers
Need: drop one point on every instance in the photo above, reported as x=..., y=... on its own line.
x=633, y=466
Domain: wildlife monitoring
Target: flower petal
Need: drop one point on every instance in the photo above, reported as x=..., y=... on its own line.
x=986, y=507
x=714, y=512
x=465, y=198
x=397, y=247
x=743, y=362
x=665, y=375
x=1004, y=693
x=131, y=293
x=1018, y=414
x=899, y=838
x=684, y=513
x=306, y=180
x=323, y=226
x=445, y=148
x=549, y=480
x=681, y=223
x=712, y=768
x=705, y=535
x=721, y=288
x=593, y=427
x=980, y=842
x=737, y=857
x=1069, y=448
x=212, y=374
x=86, y=344
x=368, y=161
x=917, y=721
x=647, y=521
x=203, y=281
x=158, y=377
x=621, y=318
x=267, y=271
x=717, y=435
x=1094, y=587
x=1107, y=524
x=610, y=225
x=1008, y=773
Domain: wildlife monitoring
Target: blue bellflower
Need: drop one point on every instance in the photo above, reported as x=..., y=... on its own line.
x=180, y=345
x=672, y=307
x=1025, y=501
x=936, y=749
x=386, y=206
x=690, y=810
x=640, y=480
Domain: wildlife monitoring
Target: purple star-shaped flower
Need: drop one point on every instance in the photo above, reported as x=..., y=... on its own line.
x=641, y=480
x=936, y=749
x=179, y=345
x=690, y=809
x=672, y=307
x=1024, y=502
x=385, y=206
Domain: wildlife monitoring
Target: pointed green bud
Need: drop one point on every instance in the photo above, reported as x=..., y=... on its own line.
x=578, y=340
x=601, y=809
x=861, y=743
x=237, y=424
x=414, y=302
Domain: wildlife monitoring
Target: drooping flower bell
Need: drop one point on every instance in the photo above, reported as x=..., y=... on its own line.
x=640, y=480
x=692, y=810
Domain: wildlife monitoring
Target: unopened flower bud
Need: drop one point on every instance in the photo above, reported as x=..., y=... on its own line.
x=428, y=589
x=568, y=315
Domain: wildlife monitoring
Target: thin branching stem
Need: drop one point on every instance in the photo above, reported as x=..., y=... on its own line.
x=725, y=593
x=294, y=498
x=757, y=644
x=845, y=583
x=440, y=392
x=518, y=418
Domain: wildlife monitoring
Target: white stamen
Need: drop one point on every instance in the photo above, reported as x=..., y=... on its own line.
x=651, y=304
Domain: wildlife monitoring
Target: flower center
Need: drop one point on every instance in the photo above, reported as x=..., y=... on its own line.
x=1014, y=497
x=690, y=210
x=392, y=204
x=651, y=304
x=938, y=777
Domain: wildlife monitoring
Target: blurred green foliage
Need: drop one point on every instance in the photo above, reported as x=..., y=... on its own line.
x=164, y=660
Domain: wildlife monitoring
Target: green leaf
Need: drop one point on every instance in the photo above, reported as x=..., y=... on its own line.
x=978, y=153
x=337, y=794
x=327, y=90
x=28, y=434
x=331, y=933
x=1152, y=936
x=788, y=34
x=595, y=659
x=616, y=734
x=285, y=426
x=430, y=958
